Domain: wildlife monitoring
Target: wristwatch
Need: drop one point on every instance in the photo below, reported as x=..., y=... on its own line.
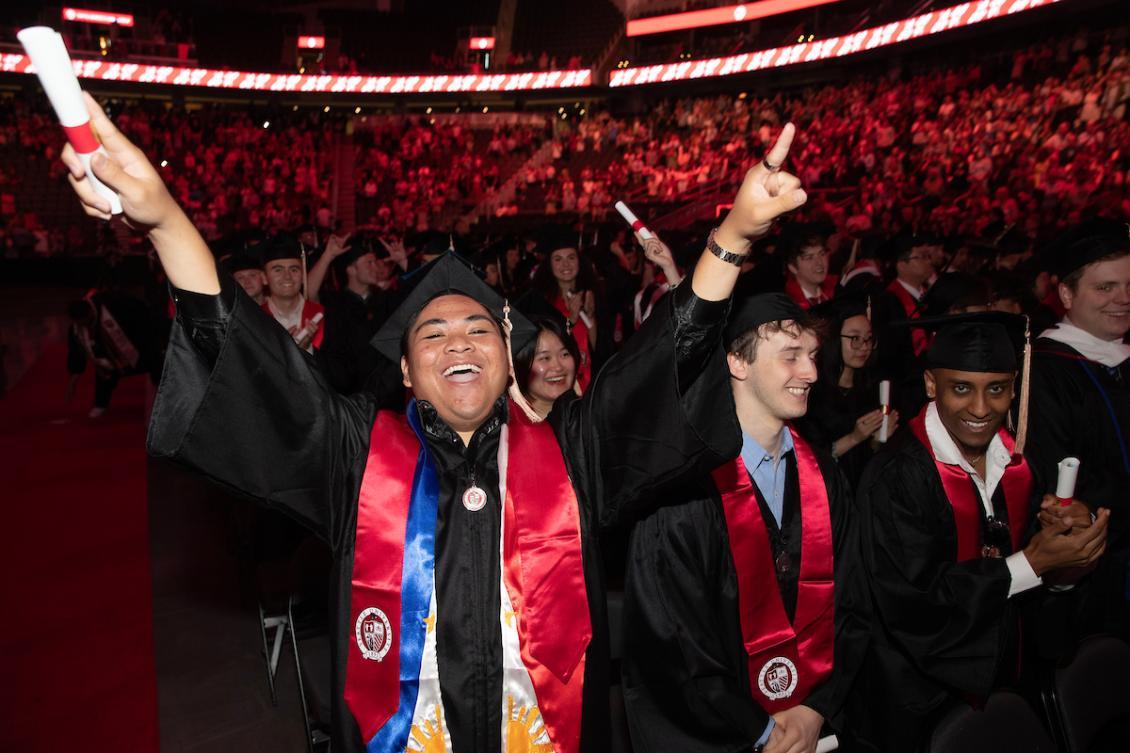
x=727, y=256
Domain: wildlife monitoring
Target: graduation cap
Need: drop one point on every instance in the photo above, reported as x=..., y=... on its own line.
x=242, y=261
x=982, y=342
x=1084, y=244
x=956, y=290
x=552, y=237
x=843, y=307
x=756, y=310
x=451, y=274
x=278, y=247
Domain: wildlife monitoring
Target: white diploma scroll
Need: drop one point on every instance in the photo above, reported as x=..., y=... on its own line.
x=827, y=744
x=57, y=75
x=1065, y=481
x=630, y=217
x=310, y=328
x=885, y=404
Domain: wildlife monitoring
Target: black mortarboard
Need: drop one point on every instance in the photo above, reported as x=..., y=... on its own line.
x=278, y=247
x=533, y=304
x=1085, y=244
x=448, y=274
x=241, y=261
x=750, y=313
x=956, y=290
x=552, y=237
x=985, y=341
x=844, y=306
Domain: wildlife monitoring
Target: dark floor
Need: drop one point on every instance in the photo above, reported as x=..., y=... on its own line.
x=211, y=677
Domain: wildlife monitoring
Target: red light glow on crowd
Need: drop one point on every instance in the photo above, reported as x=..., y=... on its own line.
x=168, y=75
x=312, y=43
x=481, y=43
x=108, y=18
x=935, y=22
x=728, y=14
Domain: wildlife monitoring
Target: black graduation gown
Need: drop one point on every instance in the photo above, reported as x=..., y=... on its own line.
x=897, y=361
x=686, y=671
x=350, y=363
x=1081, y=408
x=943, y=630
x=832, y=413
x=242, y=405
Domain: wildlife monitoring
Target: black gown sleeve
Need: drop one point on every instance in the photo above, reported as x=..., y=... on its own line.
x=660, y=411
x=241, y=404
x=946, y=618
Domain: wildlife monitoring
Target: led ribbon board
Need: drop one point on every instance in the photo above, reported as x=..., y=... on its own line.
x=729, y=14
x=101, y=70
x=935, y=22
x=107, y=18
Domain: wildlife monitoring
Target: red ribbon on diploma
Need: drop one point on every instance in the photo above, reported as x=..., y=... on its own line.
x=82, y=138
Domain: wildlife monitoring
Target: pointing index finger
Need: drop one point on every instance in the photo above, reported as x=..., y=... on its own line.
x=780, y=151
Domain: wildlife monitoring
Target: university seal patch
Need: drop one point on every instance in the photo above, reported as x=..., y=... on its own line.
x=374, y=634
x=777, y=678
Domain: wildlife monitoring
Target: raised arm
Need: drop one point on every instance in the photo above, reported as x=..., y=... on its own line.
x=147, y=205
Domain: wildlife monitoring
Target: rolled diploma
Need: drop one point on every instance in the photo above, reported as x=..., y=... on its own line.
x=57, y=75
x=1065, y=482
x=311, y=327
x=630, y=217
x=827, y=744
x=885, y=403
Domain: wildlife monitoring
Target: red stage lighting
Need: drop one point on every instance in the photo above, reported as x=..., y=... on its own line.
x=481, y=43
x=311, y=43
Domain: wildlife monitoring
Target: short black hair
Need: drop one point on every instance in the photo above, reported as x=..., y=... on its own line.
x=524, y=359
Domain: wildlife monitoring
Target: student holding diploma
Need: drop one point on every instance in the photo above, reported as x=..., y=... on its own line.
x=467, y=602
x=951, y=544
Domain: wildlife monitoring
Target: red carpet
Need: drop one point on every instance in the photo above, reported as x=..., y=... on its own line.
x=76, y=641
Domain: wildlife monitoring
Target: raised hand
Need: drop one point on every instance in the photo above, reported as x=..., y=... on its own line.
x=146, y=202
x=766, y=193
x=146, y=205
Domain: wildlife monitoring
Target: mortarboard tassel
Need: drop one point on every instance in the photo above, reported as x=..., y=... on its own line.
x=515, y=392
x=305, y=287
x=1025, y=381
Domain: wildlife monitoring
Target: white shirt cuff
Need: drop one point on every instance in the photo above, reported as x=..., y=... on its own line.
x=1023, y=576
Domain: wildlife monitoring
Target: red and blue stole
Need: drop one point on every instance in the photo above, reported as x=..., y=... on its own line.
x=394, y=568
x=965, y=500
x=786, y=659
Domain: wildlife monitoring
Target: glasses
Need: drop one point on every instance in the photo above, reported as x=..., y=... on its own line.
x=859, y=342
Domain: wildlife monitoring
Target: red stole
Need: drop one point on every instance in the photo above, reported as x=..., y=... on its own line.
x=966, y=502
x=542, y=565
x=581, y=334
x=796, y=292
x=309, y=309
x=786, y=661
x=918, y=336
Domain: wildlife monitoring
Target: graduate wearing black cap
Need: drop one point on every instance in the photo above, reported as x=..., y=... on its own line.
x=467, y=604
x=732, y=582
x=284, y=265
x=947, y=511
x=1081, y=403
x=248, y=272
